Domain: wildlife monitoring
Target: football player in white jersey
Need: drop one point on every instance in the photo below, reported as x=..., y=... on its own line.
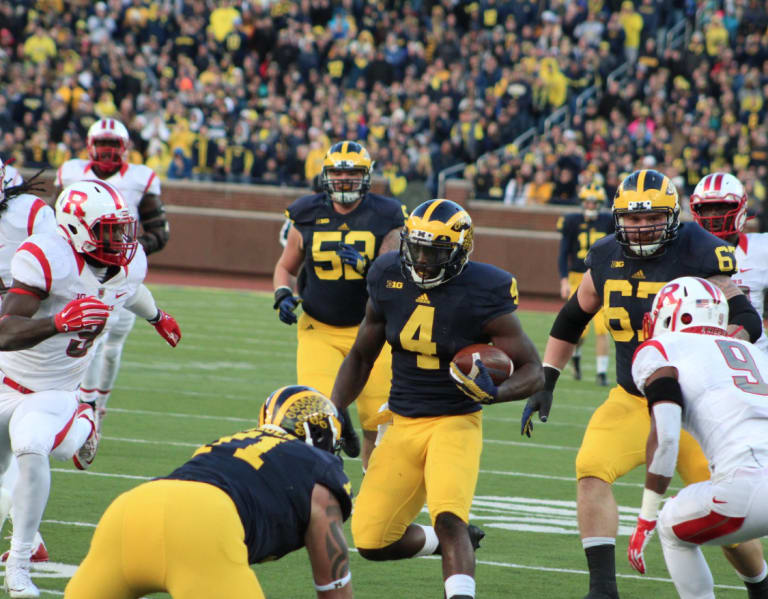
x=719, y=204
x=107, y=143
x=66, y=287
x=21, y=214
x=716, y=387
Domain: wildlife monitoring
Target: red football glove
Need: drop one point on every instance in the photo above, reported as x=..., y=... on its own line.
x=638, y=542
x=82, y=313
x=166, y=325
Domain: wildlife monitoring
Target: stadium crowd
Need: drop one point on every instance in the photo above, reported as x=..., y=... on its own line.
x=686, y=111
x=256, y=92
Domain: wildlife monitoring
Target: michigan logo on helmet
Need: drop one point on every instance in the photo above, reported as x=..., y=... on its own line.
x=346, y=174
x=435, y=243
x=719, y=204
x=304, y=413
x=93, y=217
x=592, y=198
x=107, y=141
x=646, y=210
x=687, y=305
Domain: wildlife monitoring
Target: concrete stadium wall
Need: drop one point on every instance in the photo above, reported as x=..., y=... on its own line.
x=233, y=229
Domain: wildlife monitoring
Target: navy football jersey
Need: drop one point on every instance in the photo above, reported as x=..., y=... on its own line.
x=578, y=236
x=270, y=476
x=332, y=292
x=426, y=327
x=628, y=285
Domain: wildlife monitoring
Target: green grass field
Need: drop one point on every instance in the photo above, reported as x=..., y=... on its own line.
x=234, y=352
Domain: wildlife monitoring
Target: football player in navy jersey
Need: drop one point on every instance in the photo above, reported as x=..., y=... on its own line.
x=624, y=273
x=333, y=238
x=580, y=231
x=246, y=498
x=429, y=301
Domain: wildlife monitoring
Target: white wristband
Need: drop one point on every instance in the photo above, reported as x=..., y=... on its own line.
x=336, y=584
x=649, y=509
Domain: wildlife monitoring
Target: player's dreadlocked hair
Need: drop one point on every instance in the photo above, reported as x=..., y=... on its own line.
x=31, y=185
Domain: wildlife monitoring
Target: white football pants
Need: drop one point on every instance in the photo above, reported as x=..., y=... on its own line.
x=32, y=427
x=730, y=509
x=105, y=364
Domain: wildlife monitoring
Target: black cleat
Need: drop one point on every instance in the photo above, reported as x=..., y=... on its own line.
x=350, y=441
x=475, y=536
x=576, y=361
x=602, y=379
x=601, y=595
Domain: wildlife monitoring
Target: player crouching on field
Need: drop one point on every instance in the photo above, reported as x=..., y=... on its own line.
x=66, y=286
x=724, y=405
x=246, y=498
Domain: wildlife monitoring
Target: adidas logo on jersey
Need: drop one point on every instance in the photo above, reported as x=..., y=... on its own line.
x=422, y=299
x=343, y=227
x=638, y=275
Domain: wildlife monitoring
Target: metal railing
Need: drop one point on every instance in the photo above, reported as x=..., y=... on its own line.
x=521, y=142
x=561, y=115
x=676, y=35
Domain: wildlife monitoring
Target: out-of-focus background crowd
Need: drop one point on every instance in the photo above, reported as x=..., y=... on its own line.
x=526, y=99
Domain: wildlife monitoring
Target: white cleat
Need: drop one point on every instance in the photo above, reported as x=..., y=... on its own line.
x=18, y=583
x=84, y=456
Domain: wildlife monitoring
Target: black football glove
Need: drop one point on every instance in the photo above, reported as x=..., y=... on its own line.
x=540, y=402
x=350, y=441
x=286, y=303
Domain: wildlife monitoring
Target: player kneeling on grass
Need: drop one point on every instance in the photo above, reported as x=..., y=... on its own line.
x=249, y=497
x=428, y=301
x=714, y=386
x=66, y=286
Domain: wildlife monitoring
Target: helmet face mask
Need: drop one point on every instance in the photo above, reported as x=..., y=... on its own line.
x=304, y=413
x=435, y=243
x=592, y=198
x=94, y=218
x=687, y=305
x=346, y=174
x=719, y=204
x=107, y=142
x=646, y=212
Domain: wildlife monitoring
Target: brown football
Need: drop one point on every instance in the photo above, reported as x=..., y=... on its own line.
x=495, y=360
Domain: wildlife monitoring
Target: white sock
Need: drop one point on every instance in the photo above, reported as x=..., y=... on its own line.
x=576, y=353
x=588, y=542
x=602, y=364
x=431, y=542
x=459, y=584
x=757, y=578
x=29, y=500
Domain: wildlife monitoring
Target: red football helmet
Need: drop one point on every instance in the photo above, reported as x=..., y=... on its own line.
x=107, y=142
x=719, y=204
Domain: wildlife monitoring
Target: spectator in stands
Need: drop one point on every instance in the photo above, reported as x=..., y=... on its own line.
x=539, y=191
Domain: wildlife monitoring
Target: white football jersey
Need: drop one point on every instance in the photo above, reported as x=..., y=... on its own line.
x=25, y=215
x=133, y=181
x=752, y=275
x=48, y=262
x=725, y=391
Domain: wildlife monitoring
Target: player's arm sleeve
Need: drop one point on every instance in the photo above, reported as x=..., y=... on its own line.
x=502, y=298
x=142, y=303
x=31, y=266
x=742, y=313
x=156, y=229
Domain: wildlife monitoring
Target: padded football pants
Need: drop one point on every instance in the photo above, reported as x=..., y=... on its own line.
x=183, y=537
